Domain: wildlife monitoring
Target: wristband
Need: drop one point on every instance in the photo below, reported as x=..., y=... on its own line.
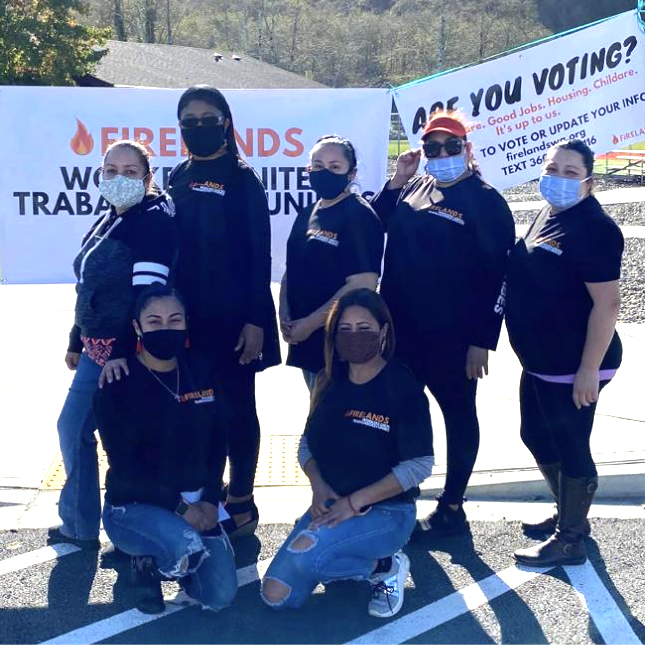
x=349, y=501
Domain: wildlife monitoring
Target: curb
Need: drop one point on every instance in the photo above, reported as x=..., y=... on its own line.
x=619, y=481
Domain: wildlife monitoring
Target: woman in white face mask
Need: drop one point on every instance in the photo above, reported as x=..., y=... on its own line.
x=448, y=237
x=563, y=299
x=128, y=248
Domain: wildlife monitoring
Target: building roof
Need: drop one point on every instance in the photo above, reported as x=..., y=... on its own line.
x=156, y=65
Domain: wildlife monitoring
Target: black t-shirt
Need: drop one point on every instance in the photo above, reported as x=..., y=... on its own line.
x=325, y=247
x=444, y=267
x=358, y=433
x=548, y=304
x=224, y=264
x=158, y=447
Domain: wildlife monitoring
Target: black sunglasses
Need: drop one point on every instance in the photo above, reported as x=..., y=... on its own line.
x=432, y=149
x=189, y=122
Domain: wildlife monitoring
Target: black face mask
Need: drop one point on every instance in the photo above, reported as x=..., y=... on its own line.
x=328, y=184
x=204, y=140
x=164, y=344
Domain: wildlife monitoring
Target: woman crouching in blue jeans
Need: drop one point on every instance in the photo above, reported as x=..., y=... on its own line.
x=161, y=431
x=366, y=448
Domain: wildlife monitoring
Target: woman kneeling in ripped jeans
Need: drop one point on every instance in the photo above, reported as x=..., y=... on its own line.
x=161, y=431
x=366, y=448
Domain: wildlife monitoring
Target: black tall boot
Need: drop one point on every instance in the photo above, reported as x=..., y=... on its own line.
x=566, y=545
x=551, y=474
x=146, y=584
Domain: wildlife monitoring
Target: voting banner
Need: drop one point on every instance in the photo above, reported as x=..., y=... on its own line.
x=588, y=85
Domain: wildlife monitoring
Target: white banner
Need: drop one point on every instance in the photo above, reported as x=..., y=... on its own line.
x=53, y=140
x=588, y=85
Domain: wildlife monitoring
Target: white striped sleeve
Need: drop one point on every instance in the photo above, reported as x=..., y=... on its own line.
x=145, y=273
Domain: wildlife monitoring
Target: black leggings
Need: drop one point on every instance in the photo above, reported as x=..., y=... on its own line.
x=456, y=395
x=553, y=429
x=242, y=428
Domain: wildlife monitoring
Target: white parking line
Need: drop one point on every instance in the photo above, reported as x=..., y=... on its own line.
x=132, y=618
x=602, y=608
x=592, y=593
x=111, y=626
x=441, y=611
x=26, y=560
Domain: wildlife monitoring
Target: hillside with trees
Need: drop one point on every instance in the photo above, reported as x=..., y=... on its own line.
x=336, y=42
x=351, y=42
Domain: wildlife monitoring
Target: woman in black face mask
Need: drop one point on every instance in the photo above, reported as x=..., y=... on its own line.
x=335, y=245
x=224, y=273
x=162, y=433
x=366, y=448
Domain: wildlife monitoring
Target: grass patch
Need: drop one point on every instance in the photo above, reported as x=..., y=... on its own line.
x=396, y=147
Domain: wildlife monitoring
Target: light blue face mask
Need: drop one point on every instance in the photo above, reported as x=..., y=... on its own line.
x=447, y=169
x=561, y=192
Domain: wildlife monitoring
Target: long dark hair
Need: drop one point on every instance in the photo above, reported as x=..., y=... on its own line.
x=335, y=369
x=214, y=97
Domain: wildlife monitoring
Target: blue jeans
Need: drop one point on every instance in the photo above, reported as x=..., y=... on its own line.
x=348, y=551
x=204, y=565
x=79, y=506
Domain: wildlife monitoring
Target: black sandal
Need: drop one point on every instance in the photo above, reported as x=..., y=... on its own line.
x=239, y=508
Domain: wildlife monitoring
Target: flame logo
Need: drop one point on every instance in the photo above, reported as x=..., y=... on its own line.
x=82, y=142
x=615, y=139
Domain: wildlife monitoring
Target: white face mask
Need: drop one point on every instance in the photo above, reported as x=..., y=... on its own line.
x=123, y=192
x=447, y=169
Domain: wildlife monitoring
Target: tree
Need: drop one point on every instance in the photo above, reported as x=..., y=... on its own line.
x=43, y=44
x=119, y=21
x=559, y=15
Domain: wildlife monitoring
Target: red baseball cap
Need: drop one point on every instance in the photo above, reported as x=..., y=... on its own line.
x=443, y=123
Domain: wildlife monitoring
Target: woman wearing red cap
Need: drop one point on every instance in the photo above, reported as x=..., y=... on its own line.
x=449, y=234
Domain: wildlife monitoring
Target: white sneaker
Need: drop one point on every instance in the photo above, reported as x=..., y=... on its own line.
x=388, y=588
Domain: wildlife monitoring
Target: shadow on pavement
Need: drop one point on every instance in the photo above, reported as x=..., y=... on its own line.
x=427, y=570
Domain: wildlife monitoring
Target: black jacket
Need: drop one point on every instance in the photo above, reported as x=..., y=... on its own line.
x=119, y=257
x=224, y=263
x=445, y=261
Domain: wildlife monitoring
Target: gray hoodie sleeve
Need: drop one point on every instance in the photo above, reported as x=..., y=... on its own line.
x=304, y=454
x=412, y=472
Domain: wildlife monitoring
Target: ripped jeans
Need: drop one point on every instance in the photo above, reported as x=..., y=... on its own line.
x=204, y=565
x=348, y=551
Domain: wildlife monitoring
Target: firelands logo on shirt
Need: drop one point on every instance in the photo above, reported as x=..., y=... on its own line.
x=328, y=237
x=208, y=187
x=370, y=419
x=447, y=213
x=200, y=396
x=549, y=245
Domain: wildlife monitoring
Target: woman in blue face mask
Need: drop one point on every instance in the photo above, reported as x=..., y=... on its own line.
x=335, y=245
x=563, y=301
x=449, y=233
